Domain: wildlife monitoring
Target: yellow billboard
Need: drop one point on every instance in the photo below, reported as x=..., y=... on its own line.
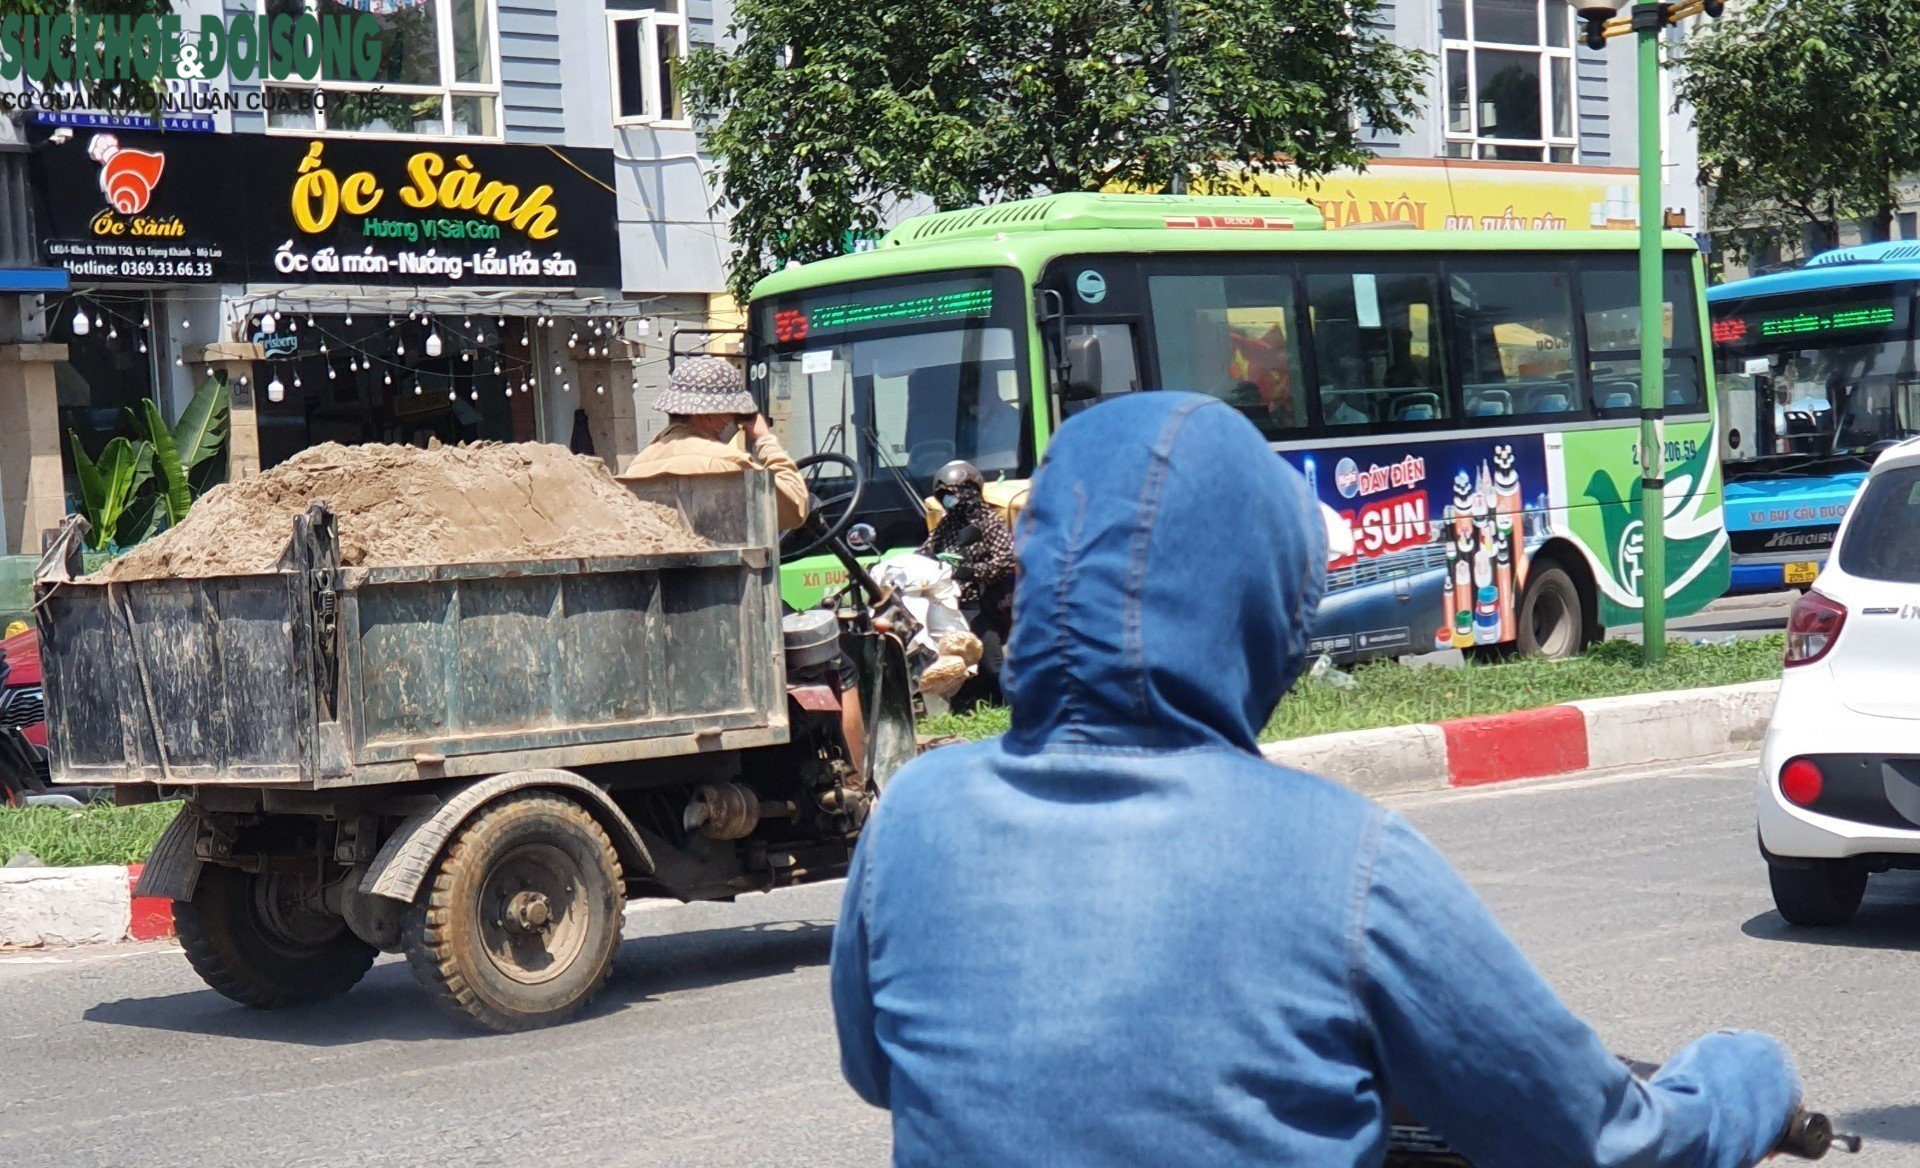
x=1439, y=195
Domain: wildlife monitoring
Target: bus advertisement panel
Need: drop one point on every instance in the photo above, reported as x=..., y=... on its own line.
x=1445, y=532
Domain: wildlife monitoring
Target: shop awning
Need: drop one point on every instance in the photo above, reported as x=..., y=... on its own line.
x=17, y=280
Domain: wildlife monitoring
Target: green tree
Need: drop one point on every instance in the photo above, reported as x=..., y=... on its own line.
x=1808, y=113
x=827, y=114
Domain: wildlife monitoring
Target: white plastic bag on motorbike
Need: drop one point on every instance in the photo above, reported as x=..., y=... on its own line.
x=927, y=588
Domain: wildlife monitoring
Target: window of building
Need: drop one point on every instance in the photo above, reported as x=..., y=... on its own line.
x=439, y=73
x=1377, y=347
x=647, y=46
x=1509, y=79
x=1513, y=333
x=1235, y=337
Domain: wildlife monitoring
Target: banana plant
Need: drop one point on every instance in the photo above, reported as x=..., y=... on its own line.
x=142, y=485
x=108, y=489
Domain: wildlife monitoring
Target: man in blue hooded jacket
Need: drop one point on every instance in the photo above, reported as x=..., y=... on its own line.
x=1116, y=936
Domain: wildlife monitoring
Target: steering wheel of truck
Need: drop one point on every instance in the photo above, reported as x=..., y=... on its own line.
x=827, y=518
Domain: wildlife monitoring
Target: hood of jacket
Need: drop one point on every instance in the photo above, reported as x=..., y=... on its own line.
x=1170, y=565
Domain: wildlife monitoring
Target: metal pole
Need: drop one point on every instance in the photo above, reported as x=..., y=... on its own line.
x=1178, y=185
x=1649, y=20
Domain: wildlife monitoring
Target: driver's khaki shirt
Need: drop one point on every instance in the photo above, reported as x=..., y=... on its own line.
x=678, y=450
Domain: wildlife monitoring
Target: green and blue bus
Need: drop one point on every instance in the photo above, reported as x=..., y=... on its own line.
x=1817, y=375
x=1468, y=403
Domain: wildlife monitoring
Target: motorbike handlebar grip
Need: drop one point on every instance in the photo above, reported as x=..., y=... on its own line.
x=1810, y=1136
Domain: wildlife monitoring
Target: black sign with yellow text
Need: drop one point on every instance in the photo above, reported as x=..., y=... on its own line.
x=168, y=208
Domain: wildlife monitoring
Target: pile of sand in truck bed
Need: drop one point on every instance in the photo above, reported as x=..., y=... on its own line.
x=400, y=505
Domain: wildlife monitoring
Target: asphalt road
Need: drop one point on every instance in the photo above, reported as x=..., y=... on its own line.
x=1744, y=617
x=1643, y=900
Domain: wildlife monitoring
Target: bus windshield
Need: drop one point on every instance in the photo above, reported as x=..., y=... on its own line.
x=903, y=375
x=1826, y=374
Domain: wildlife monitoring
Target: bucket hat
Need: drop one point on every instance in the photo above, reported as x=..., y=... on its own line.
x=706, y=385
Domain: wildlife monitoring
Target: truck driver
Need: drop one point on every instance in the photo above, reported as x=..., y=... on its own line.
x=711, y=420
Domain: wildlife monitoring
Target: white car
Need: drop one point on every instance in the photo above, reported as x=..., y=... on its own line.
x=1840, y=772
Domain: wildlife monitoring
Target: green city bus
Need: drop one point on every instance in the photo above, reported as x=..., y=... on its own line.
x=1469, y=403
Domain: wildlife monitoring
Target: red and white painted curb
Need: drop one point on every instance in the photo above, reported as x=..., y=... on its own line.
x=1602, y=734
x=72, y=906
x=78, y=906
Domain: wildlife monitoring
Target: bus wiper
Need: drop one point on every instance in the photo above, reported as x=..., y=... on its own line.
x=835, y=439
x=885, y=461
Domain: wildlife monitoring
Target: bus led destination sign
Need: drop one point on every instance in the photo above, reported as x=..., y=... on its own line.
x=943, y=300
x=1819, y=321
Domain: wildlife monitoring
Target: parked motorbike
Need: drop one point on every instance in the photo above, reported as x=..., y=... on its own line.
x=1411, y=1144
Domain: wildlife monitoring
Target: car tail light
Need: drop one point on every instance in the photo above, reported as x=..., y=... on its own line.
x=1801, y=782
x=1812, y=627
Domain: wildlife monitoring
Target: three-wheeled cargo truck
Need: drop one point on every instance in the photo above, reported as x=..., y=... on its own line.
x=474, y=764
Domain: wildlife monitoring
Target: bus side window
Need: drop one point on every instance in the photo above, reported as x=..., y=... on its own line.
x=1232, y=336
x=1119, y=364
x=1610, y=299
x=1376, y=339
x=1513, y=331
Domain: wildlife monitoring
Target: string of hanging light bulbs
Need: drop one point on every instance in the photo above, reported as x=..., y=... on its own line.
x=603, y=329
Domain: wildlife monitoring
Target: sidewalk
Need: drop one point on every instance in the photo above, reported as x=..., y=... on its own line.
x=1637, y=730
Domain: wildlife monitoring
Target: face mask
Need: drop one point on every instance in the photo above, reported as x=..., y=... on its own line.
x=728, y=431
x=948, y=500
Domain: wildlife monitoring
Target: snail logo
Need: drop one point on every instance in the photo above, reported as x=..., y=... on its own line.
x=127, y=177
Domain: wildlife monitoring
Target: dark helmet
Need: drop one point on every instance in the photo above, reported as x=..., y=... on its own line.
x=957, y=474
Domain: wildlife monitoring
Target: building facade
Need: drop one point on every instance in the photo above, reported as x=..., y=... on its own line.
x=1524, y=128
x=501, y=236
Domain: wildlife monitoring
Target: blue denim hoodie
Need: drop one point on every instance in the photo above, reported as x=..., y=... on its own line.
x=1116, y=936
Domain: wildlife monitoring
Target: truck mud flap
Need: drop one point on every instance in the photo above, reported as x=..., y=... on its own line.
x=892, y=740
x=172, y=872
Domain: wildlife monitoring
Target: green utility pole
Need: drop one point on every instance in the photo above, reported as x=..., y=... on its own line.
x=1649, y=21
x=1646, y=23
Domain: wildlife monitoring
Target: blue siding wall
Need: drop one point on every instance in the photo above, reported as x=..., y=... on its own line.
x=533, y=109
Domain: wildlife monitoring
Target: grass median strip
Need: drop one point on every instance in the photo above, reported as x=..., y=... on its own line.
x=1385, y=693
x=1388, y=693
x=102, y=834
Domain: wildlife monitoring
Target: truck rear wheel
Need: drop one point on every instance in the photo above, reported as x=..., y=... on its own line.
x=264, y=940
x=519, y=926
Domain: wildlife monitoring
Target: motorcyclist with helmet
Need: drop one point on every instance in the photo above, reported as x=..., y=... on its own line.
x=973, y=537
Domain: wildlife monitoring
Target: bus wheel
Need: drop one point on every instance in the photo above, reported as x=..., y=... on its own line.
x=1552, y=617
x=519, y=926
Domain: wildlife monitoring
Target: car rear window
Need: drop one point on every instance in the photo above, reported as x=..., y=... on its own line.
x=1883, y=539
